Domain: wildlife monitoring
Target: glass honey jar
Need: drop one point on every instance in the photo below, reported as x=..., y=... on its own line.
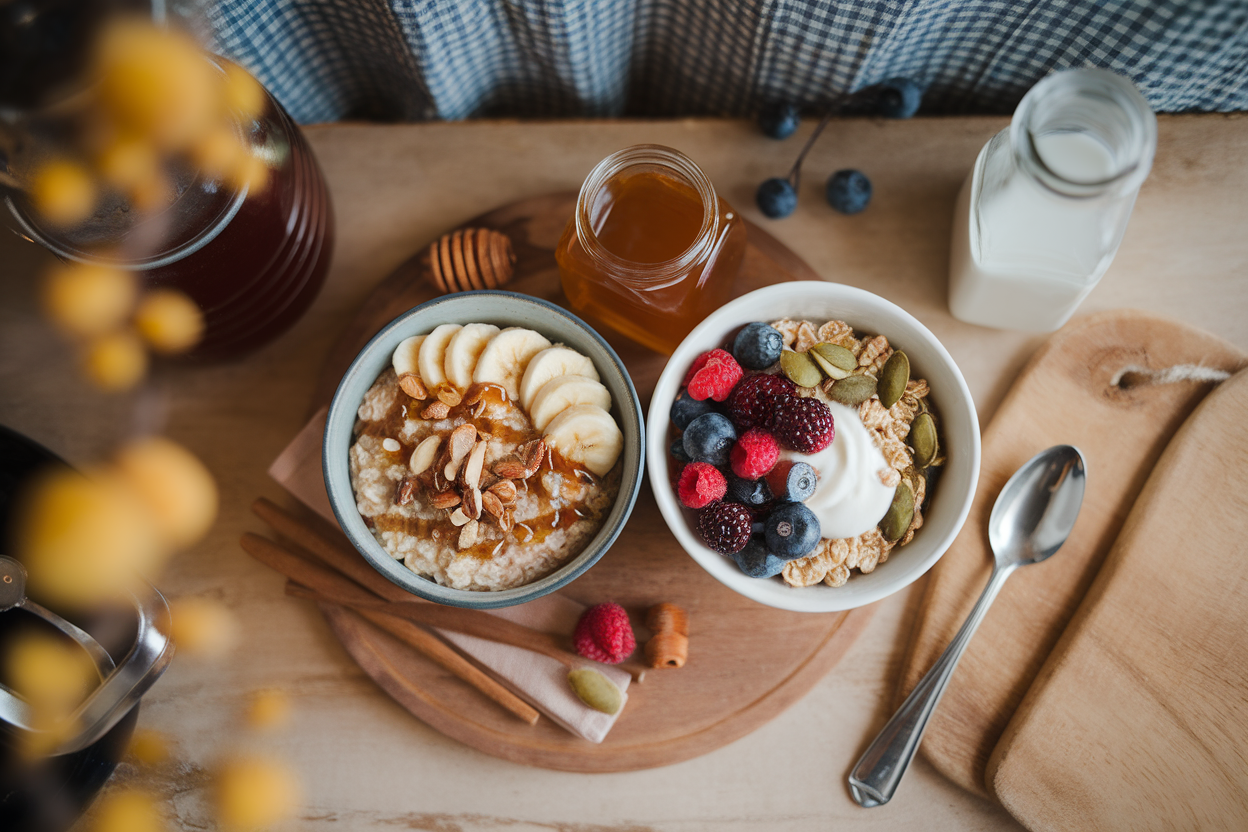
x=652, y=249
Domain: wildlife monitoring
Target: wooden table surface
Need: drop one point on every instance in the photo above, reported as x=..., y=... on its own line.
x=365, y=763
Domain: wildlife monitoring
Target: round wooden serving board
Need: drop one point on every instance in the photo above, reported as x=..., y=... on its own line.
x=747, y=662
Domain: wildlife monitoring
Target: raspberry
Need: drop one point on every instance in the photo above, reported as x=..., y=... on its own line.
x=756, y=400
x=698, y=364
x=700, y=485
x=805, y=425
x=604, y=634
x=754, y=454
x=713, y=376
x=726, y=527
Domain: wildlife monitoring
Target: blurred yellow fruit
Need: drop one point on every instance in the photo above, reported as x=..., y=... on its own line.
x=116, y=361
x=86, y=300
x=63, y=192
x=152, y=195
x=203, y=628
x=243, y=94
x=175, y=486
x=52, y=674
x=268, y=709
x=84, y=540
x=254, y=793
x=251, y=173
x=127, y=810
x=218, y=152
x=156, y=82
x=149, y=747
x=129, y=163
x=169, y=321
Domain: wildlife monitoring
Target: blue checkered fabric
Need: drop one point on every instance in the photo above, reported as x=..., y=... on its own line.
x=421, y=59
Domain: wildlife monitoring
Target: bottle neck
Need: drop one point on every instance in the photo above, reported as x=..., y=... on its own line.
x=1084, y=134
x=594, y=203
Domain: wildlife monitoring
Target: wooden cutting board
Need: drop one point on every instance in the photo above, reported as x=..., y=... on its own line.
x=1139, y=718
x=1087, y=386
x=747, y=662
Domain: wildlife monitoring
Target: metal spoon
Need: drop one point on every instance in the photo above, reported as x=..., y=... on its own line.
x=13, y=596
x=1030, y=521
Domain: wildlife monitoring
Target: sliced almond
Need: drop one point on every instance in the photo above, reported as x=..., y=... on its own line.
x=505, y=491
x=425, y=453
x=459, y=517
x=468, y=534
x=476, y=461
x=435, y=411
x=472, y=503
x=444, y=499
x=447, y=394
x=411, y=384
x=405, y=492
x=492, y=505
x=533, y=452
x=511, y=468
x=508, y=521
x=460, y=445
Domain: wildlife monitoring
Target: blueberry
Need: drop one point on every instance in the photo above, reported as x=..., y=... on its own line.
x=779, y=119
x=686, y=408
x=677, y=450
x=793, y=484
x=709, y=438
x=899, y=98
x=791, y=531
x=848, y=191
x=757, y=346
x=776, y=198
x=751, y=493
x=755, y=561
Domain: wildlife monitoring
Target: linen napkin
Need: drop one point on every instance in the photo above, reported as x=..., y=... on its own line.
x=539, y=679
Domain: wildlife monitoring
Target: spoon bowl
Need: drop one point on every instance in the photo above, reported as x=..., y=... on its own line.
x=1031, y=519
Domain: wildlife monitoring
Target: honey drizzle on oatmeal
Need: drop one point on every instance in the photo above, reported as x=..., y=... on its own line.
x=491, y=538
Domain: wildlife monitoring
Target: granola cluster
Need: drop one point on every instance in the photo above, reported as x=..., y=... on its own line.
x=889, y=427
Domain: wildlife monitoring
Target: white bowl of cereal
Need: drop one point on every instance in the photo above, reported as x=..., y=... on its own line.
x=841, y=533
x=484, y=449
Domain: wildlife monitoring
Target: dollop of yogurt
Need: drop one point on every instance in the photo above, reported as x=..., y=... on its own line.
x=850, y=499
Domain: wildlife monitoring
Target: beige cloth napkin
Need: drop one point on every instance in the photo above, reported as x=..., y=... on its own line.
x=539, y=679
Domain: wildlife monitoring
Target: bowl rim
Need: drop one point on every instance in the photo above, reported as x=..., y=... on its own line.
x=721, y=568
x=337, y=476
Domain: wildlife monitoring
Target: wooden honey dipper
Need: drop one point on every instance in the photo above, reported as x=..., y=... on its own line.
x=669, y=646
x=470, y=258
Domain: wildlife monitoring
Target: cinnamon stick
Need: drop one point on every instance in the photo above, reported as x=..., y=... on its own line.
x=304, y=570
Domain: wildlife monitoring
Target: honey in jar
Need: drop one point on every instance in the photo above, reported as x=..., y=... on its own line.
x=651, y=250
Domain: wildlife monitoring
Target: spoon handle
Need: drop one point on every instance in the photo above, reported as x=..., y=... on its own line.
x=879, y=770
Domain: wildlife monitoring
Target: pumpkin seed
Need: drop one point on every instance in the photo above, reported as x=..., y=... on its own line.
x=893, y=378
x=596, y=690
x=836, y=361
x=800, y=368
x=897, y=519
x=923, y=439
x=852, y=390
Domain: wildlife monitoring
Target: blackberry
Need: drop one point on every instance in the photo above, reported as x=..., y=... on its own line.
x=804, y=425
x=725, y=527
x=757, y=399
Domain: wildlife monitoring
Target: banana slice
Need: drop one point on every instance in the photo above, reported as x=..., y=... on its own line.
x=555, y=361
x=432, y=360
x=506, y=356
x=586, y=434
x=405, y=355
x=562, y=392
x=463, y=350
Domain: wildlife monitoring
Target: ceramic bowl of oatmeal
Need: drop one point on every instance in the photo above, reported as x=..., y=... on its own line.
x=876, y=514
x=484, y=449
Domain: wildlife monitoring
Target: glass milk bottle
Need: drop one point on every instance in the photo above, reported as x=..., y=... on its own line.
x=1040, y=217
